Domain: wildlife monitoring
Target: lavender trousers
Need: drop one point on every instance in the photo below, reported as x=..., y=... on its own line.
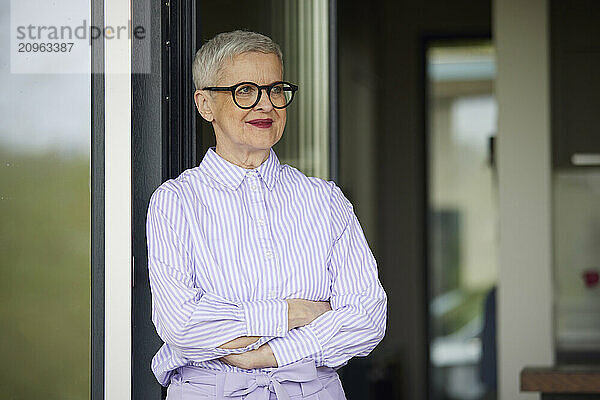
x=301, y=380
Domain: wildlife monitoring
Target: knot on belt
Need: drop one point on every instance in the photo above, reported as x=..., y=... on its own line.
x=262, y=380
x=258, y=386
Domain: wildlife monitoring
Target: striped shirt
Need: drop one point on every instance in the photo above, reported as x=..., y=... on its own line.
x=226, y=247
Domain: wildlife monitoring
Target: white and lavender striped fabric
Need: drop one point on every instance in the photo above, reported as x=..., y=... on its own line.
x=227, y=245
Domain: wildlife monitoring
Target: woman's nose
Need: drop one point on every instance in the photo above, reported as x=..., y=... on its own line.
x=264, y=103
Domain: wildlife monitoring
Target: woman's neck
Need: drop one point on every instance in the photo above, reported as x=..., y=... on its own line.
x=248, y=160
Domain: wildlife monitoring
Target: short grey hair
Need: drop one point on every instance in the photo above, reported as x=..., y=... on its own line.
x=209, y=60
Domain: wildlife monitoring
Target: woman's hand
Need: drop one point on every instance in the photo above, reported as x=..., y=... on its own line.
x=302, y=312
x=260, y=358
x=241, y=342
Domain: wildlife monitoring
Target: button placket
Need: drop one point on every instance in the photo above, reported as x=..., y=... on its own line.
x=258, y=211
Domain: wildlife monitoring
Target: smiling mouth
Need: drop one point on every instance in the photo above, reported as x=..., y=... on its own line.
x=261, y=123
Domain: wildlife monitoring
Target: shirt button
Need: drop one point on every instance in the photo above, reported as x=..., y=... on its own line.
x=279, y=329
x=261, y=222
x=253, y=187
x=269, y=253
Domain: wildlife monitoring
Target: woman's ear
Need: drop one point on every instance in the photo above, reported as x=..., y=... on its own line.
x=203, y=104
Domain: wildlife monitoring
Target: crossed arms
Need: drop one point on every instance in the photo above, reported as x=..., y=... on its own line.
x=201, y=326
x=301, y=312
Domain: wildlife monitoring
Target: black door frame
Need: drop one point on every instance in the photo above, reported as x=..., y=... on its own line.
x=97, y=207
x=163, y=145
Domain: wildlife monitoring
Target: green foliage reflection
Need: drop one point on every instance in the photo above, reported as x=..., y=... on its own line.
x=45, y=284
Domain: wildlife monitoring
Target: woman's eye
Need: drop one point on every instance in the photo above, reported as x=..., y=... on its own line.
x=246, y=89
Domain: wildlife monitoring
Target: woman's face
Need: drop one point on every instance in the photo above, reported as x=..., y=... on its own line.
x=240, y=131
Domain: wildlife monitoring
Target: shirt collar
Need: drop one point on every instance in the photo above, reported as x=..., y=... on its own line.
x=232, y=175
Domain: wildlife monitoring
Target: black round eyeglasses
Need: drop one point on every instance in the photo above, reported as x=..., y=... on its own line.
x=247, y=94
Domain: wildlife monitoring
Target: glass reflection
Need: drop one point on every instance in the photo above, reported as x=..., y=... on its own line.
x=44, y=228
x=462, y=220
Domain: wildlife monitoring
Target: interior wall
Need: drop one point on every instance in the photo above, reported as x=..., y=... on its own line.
x=382, y=95
x=525, y=325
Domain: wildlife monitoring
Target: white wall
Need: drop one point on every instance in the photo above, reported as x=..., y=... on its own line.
x=525, y=324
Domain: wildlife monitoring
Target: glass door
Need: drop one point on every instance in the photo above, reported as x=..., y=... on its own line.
x=45, y=201
x=462, y=210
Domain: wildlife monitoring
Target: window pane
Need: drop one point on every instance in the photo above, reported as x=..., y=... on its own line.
x=44, y=223
x=462, y=220
x=301, y=29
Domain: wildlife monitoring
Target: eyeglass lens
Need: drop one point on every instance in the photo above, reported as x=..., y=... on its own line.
x=280, y=95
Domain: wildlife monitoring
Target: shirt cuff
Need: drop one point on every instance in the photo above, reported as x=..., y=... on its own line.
x=298, y=344
x=266, y=317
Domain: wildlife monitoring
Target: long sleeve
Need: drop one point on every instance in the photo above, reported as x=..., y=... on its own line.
x=357, y=322
x=190, y=320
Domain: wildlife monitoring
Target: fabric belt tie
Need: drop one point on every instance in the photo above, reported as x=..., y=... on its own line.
x=259, y=386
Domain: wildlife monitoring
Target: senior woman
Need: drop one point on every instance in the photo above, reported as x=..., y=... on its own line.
x=262, y=281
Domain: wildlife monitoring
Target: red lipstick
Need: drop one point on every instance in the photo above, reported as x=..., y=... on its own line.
x=261, y=123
